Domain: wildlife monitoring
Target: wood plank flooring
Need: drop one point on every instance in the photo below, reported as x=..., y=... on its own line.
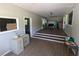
x=39, y=47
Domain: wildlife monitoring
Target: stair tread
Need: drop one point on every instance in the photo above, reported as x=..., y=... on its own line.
x=50, y=38
x=50, y=34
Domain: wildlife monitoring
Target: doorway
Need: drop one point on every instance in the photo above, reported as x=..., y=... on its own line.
x=27, y=26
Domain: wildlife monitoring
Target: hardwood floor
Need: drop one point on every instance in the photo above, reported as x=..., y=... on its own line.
x=39, y=47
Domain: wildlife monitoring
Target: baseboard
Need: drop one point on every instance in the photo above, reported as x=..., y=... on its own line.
x=6, y=53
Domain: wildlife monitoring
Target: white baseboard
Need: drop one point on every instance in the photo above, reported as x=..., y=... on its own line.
x=6, y=53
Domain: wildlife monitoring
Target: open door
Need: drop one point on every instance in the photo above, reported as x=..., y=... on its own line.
x=27, y=26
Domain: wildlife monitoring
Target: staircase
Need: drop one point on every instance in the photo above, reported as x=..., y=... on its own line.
x=50, y=37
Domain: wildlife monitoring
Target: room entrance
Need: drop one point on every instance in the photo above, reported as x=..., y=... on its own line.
x=27, y=26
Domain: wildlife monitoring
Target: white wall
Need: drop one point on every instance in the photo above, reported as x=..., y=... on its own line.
x=55, y=18
x=67, y=28
x=74, y=29
x=75, y=24
x=10, y=10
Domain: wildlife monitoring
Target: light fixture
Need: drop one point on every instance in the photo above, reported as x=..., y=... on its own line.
x=51, y=14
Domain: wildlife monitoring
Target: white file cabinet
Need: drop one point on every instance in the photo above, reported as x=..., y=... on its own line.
x=25, y=39
x=17, y=45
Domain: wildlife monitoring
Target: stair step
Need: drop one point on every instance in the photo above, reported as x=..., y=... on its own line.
x=52, y=38
x=49, y=34
x=49, y=39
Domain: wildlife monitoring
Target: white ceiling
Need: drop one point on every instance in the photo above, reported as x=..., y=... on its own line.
x=44, y=9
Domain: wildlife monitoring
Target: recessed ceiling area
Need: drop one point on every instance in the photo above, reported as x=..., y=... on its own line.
x=44, y=9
